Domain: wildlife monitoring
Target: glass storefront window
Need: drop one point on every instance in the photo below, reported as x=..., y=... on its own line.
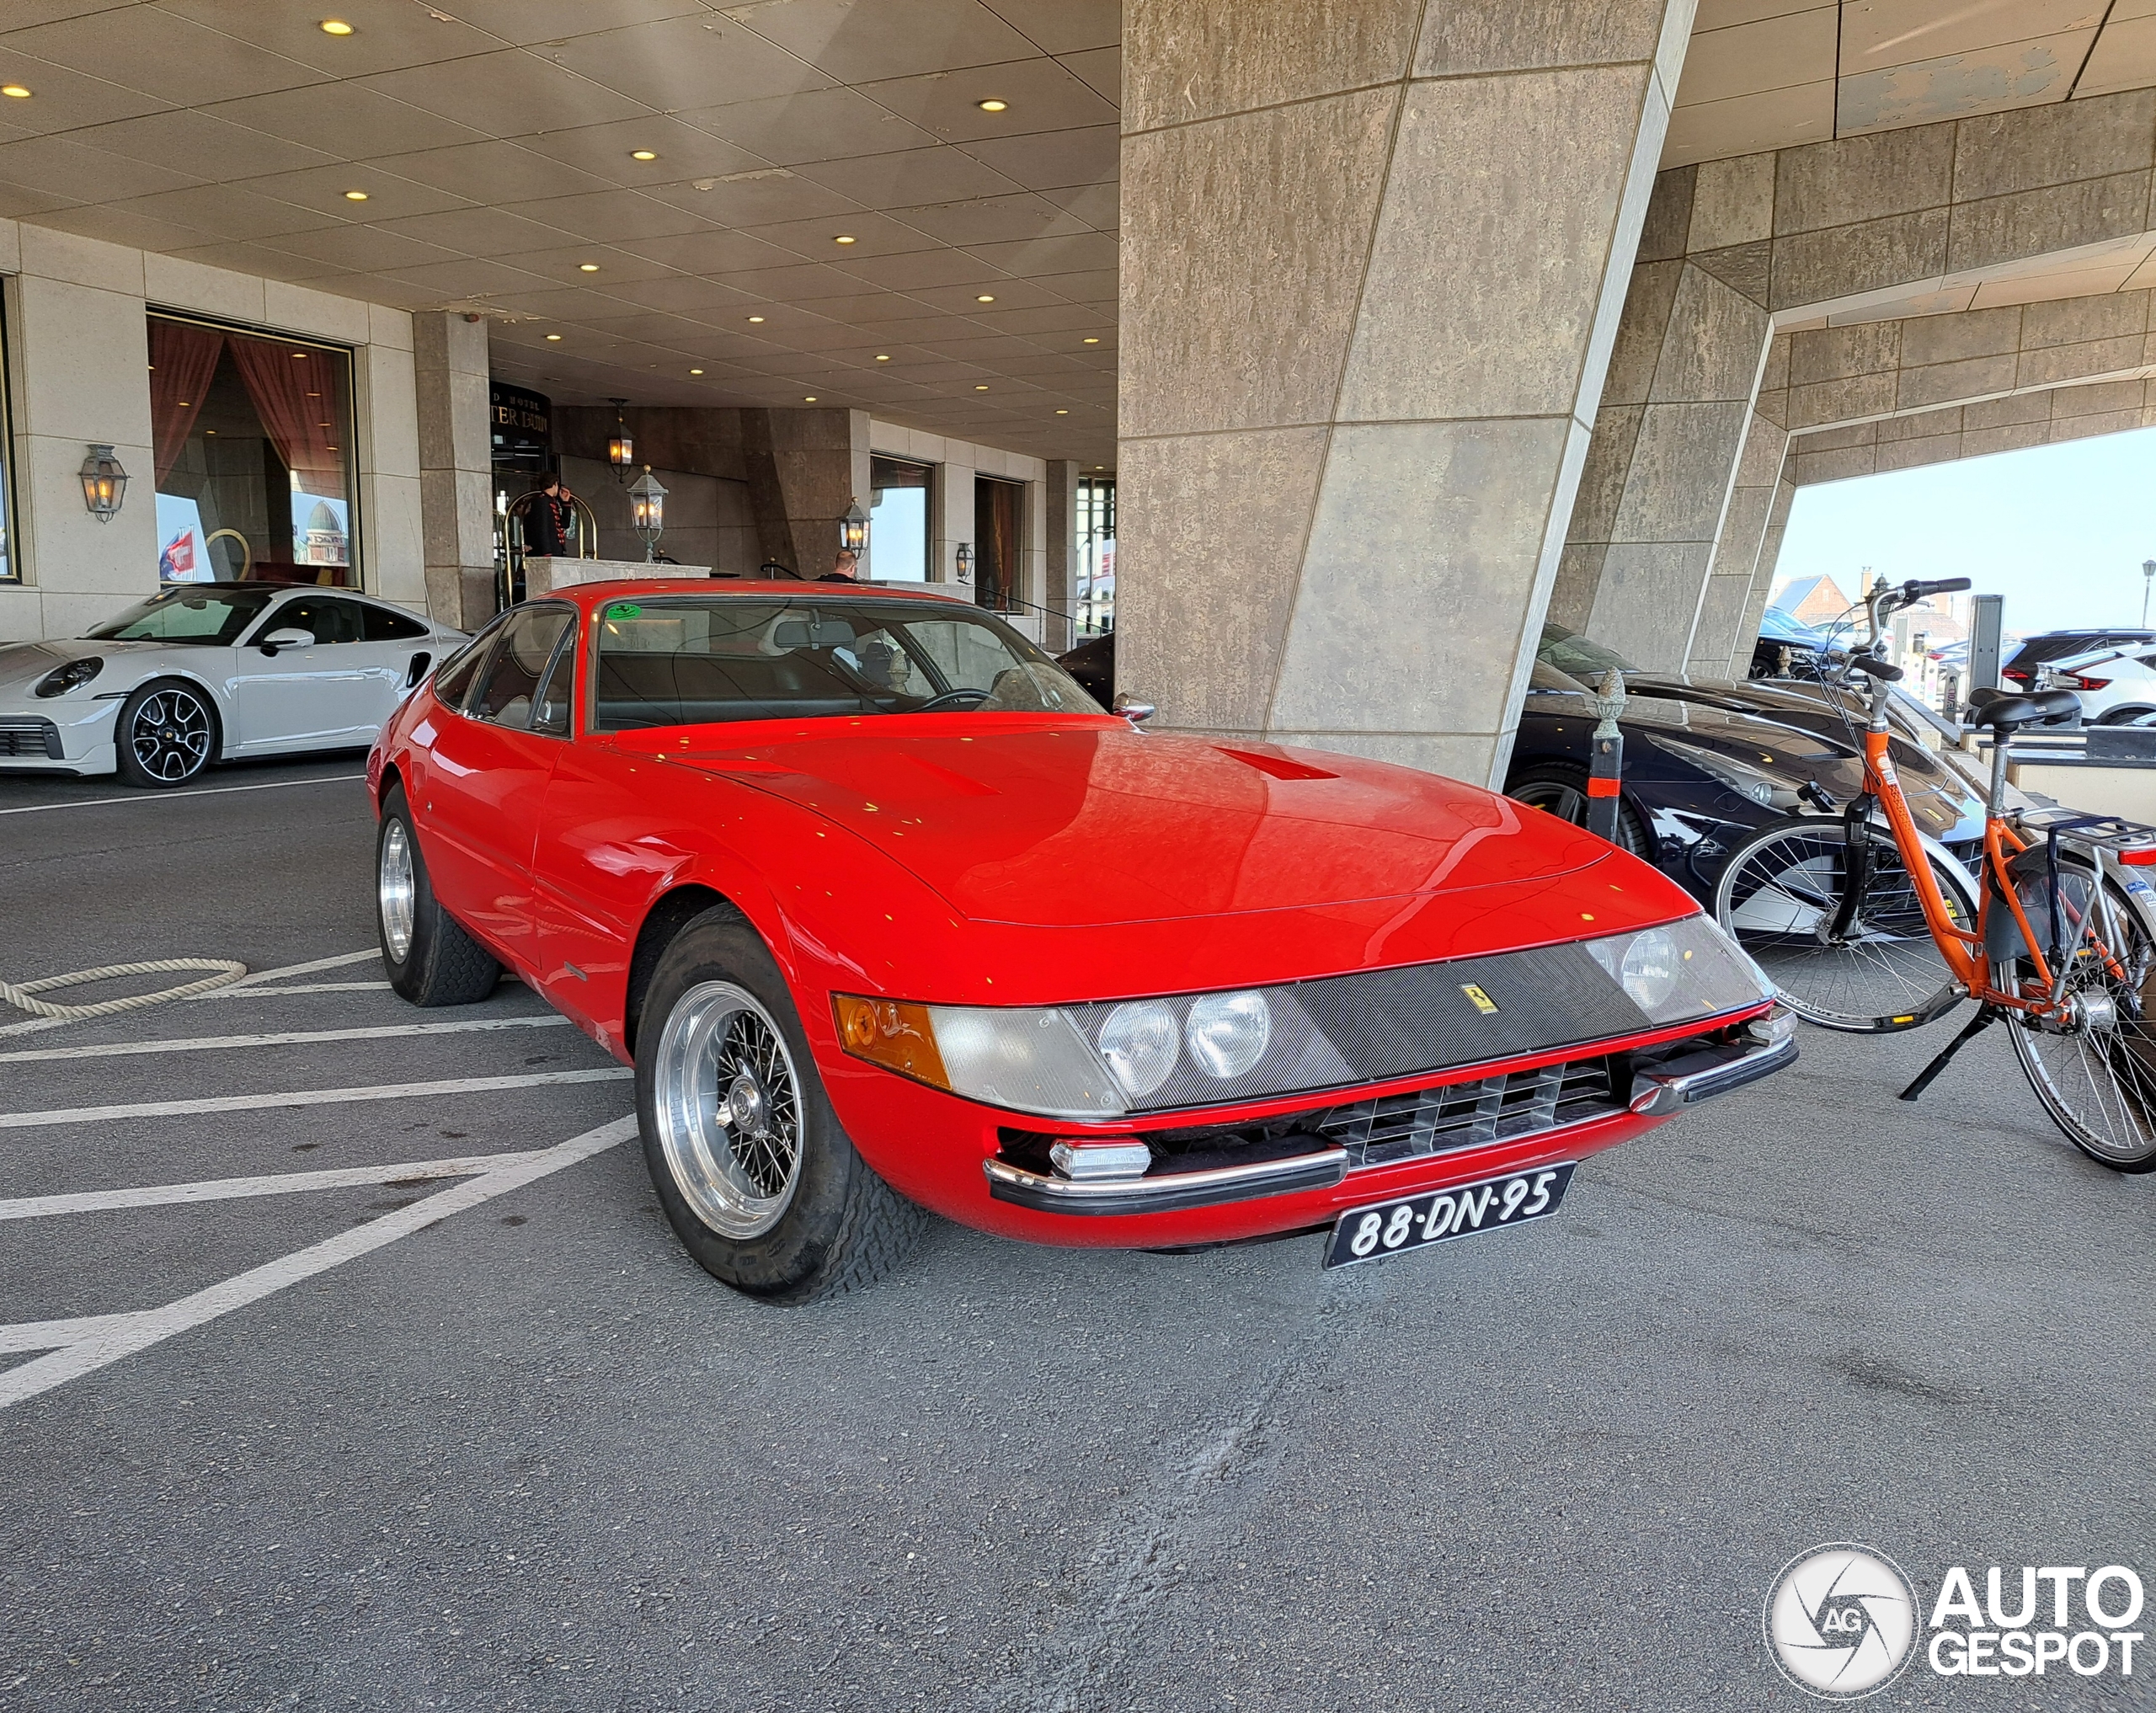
x=998, y=514
x=897, y=520
x=10, y=572
x=1095, y=545
x=253, y=464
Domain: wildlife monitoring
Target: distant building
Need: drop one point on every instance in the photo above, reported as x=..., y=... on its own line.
x=1811, y=600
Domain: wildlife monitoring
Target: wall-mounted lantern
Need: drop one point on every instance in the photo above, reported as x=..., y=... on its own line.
x=965, y=562
x=104, y=483
x=853, y=529
x=620, y=445
x=648, y=504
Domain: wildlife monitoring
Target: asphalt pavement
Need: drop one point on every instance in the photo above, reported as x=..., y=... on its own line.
x=454, y=1422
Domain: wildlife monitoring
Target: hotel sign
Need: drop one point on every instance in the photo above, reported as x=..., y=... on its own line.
x=522, y=424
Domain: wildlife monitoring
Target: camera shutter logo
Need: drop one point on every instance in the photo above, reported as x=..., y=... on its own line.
x=1841, y=1622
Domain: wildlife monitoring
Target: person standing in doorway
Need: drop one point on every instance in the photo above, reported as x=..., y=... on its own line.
x=548, y=521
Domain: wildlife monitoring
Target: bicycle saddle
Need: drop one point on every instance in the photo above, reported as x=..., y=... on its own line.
x=2044, y=707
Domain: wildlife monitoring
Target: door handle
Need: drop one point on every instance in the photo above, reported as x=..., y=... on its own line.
x=419, y=663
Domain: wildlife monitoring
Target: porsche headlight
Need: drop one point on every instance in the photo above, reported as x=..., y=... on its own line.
x=1683, y=970
x=72, y=676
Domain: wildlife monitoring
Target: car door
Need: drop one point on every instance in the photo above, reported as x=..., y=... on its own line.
x=305, y=696
x=485, y=781
x=398, y=651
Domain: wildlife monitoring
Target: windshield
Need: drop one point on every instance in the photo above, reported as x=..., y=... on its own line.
x=1570, y=652
x=666, y=661
x=186, y=616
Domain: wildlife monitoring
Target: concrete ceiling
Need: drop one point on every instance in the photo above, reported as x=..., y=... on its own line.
x=1770, y=74
x=493, y=141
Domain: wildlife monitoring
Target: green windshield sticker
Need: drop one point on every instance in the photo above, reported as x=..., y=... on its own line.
x=624, y=609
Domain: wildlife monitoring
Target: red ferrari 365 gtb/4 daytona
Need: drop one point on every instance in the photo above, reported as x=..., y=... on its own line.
x=889, y=916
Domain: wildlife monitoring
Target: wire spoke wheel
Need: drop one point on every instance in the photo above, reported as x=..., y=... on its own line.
x=728, y=1104
x=170, y=735
x=1779, y=895
x=2094, y=1064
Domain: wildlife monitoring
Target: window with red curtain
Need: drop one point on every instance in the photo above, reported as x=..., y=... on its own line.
x=254, y=465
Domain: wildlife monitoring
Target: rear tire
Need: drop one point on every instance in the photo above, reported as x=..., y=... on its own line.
x=429, y=957
x=167, y=733
x=1780, y=886
x=2100, y=1085
x=1561, y=788
x=758, y=1180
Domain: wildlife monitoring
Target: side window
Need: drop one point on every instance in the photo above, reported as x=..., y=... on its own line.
x=383, y=624
x=506, y=693
x=329, y=619
x=454, y=679
x=553, y=709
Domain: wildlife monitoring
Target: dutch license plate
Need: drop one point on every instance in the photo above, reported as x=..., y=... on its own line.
x=1416, y=1222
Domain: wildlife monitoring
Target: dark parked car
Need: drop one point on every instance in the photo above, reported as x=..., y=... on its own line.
x=2020, y=671
x=1708, y=762
x=1788, y=648
x=1092, y=664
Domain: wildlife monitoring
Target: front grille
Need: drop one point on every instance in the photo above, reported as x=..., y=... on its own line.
x=1470, y=1114
x=21, y=735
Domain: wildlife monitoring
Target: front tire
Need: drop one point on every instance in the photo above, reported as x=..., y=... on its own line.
x=1560, y=787
x=429, y=957
x=167, y=733
x=759, y=1181
x=1778, y=895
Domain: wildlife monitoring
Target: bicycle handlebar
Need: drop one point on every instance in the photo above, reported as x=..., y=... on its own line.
x=1913, y=590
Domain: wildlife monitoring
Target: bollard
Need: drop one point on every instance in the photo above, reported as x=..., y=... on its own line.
x=1605, y=757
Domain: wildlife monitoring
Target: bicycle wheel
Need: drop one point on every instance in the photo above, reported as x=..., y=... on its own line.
x=1779, y=895
x=2095, y=1070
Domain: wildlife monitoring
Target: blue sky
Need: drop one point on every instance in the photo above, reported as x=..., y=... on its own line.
x=2060, y=532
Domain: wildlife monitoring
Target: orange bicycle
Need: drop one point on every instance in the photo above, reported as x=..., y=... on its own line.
x=1867, y=925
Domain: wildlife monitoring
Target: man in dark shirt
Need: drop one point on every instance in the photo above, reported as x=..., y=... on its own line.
x=845, y=568
x=548, y=521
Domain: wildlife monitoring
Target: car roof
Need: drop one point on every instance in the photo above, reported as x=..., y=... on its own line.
x=588, y=594
x=262, y=586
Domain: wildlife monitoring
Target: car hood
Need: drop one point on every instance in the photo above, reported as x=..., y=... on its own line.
x=22, y=664
x=1089, y=823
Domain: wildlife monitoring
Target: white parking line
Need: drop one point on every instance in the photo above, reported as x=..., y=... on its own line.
x=228, y=1189
x=304, y=1097
x=291, y=1038
x=78, y=1347
x=236, y=991
x=38, y=809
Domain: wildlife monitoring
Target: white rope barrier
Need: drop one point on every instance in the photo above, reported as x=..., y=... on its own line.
x=20, y=994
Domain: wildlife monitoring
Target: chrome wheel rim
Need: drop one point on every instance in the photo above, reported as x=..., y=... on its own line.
x=397, y=888
x=170, y=735
x=728, y=1110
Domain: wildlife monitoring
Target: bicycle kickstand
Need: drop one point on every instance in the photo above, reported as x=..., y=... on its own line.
x=1985, y=1017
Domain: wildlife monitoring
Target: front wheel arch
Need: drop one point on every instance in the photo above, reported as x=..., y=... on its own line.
x=670, y=913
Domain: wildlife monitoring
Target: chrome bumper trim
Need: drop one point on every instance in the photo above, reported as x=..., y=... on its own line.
x=1716, y=1070
x=1170, y=1191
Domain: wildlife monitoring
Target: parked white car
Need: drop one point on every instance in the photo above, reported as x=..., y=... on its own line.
x=205, y=672
x=2117, y=686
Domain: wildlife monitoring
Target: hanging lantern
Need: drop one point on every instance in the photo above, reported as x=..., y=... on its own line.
x=647, y=505
x=853, y=528
x=104, y=483
x=965, y=562
x=620, y=445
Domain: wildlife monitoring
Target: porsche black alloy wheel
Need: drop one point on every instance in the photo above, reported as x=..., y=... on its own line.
x=426, y=953
x=761, y=1184
x=167, y=733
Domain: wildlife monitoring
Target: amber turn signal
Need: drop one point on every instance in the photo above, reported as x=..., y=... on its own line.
x=893, y=1034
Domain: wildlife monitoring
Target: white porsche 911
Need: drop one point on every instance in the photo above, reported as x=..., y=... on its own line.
x=205, y=672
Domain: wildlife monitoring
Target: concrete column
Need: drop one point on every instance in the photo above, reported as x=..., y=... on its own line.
x=1763, y=570
x=954, y=522
x=1668, y=440
x=1059, y=589
x=1373, y=257
x=457, y=510
x=804, y=468
x=1721, y=643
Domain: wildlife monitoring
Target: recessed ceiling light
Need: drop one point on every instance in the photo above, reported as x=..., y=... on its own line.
x=553, y=339
x=587, y=267
x=1092, y=342
x=991, y=105
x=643, y=154
x=842, y=239
x=335, y=26
x=883, y=357
x=810, y=399
x=1063, y=413
x=355, y=195
x=15, y=91
x=755, y=317
x=696, y=371
x=983, y=387
x=985, y=297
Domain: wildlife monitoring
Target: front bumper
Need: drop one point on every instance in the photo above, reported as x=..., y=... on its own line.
x=1293, y=1163
x=62, y=736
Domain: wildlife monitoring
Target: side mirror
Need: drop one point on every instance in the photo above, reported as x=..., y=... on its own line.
x=291, y=636
x=1136, y=712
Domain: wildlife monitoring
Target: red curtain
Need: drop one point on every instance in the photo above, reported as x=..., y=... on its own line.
x=300, y=396
x=183, y=360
